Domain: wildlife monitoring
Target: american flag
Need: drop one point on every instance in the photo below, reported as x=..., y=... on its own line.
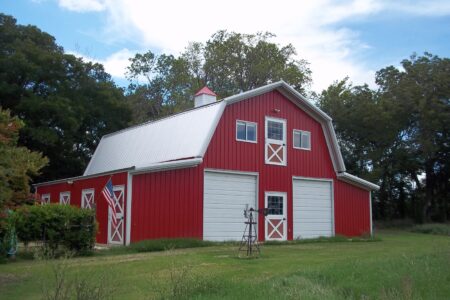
x=108, y=193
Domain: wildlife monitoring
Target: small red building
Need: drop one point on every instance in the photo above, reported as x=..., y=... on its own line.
x=193, y=174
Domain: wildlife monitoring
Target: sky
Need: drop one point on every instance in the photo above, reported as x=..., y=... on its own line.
x=338, y=38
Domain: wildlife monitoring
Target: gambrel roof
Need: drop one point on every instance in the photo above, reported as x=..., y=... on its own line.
x=183, y=139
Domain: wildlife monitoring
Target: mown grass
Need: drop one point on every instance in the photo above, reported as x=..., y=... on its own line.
x=400, y=265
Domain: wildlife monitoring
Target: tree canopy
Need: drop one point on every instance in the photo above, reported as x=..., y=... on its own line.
x=228, y=63
x=66, y=104
x=398, y=134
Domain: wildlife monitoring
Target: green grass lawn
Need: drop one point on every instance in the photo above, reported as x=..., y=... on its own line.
x=401, y=266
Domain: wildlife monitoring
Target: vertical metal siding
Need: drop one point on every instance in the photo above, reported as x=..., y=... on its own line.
x=224, y=152
x=167, y=204
x=76, y=189
x=351, y=209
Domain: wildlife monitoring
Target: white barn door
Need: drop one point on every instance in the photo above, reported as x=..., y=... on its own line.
x=226, y=195
x=115, y=232
x=312, y=208
x=275, y=221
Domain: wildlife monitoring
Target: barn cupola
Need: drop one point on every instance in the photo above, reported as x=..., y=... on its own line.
x=204, y=96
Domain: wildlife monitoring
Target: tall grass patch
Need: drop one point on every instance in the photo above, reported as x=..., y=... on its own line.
x=434, y=228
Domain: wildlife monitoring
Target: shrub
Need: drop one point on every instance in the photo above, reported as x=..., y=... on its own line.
x=394, y=224
x=57, y=225
x=439, y=229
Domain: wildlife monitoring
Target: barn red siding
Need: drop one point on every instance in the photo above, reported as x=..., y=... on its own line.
x=224, y=152
x=167, y=204
x=351, y=209
x=75, y=190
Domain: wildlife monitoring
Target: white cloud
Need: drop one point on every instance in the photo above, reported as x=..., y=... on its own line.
x=115, y=64
x=83, y=5
x=313, y=27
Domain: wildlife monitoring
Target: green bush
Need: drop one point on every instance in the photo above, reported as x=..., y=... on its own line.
x=57, y=226
x=434, y=228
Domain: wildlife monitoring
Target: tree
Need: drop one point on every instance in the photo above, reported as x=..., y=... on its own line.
x=168, y=86
x=237, y=62
x=228, y=63
x=66, y=104
x=17, y=164
x=396, y=134
x=421, y=92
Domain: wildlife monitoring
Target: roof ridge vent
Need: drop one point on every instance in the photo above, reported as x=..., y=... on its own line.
x=204, y=97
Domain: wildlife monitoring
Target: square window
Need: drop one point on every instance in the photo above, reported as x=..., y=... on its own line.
x=302, y=139
x=246, y=131
x=275, y=130
x=275, y=205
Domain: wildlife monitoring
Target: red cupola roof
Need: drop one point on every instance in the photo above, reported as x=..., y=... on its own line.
x=205, y=90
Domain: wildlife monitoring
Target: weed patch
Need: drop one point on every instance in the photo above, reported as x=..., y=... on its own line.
x=435, y=228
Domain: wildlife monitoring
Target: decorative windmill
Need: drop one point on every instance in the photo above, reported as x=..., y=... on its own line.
x=249, y=246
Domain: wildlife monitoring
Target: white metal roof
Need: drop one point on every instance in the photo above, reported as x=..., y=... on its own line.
x=181, y=136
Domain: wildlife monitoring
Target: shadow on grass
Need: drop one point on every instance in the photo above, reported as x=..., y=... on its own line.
x=334, y=239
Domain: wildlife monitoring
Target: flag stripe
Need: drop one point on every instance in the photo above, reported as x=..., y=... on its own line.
x=108, y=193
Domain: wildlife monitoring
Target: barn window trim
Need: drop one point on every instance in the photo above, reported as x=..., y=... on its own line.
x=83, y=202
x=246, y=124
x=301, y=134
x=61, y=198
x=45, y=199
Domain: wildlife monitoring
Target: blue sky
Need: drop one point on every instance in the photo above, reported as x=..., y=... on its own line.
x=338, y=38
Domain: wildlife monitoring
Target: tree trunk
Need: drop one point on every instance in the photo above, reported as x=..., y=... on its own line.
x=429, y=187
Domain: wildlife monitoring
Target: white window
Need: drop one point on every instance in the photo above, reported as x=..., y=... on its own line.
x=302, y=139
x=246, y=131
x=45, y=199
x=64, y=198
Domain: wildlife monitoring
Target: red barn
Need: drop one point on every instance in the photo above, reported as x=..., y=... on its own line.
x=192, y=174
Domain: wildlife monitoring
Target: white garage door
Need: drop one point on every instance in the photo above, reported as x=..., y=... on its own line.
x=313, y=209
x=225, y=198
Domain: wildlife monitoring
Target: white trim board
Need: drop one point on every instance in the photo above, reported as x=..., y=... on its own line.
x=128, y=206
